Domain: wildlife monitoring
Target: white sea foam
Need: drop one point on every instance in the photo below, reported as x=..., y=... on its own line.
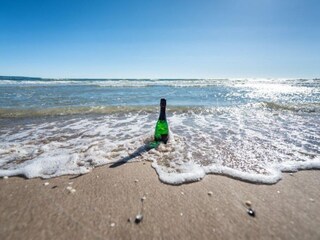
x=249, y=143
x=118, y=83
x=250, y=82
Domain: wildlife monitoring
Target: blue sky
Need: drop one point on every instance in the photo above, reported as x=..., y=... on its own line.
x=160, y=39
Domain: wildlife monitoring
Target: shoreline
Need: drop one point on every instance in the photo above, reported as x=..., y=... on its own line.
x=106, y=198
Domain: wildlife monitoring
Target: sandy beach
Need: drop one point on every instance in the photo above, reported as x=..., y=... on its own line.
x=106, y=201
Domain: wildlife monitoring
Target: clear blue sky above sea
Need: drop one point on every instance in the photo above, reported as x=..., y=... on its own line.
x=160, y=39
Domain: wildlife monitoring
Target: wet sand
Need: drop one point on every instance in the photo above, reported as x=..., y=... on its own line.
x=107, y=200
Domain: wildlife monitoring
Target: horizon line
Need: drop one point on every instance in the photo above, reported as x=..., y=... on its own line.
x=18, y=77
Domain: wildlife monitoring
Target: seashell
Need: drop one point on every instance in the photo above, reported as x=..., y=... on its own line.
x=251, y=212
x=138, y=218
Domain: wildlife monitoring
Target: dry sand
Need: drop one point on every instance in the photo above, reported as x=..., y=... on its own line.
x=106, y=198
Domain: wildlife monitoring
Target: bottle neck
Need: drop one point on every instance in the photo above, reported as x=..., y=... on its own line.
x=162, y=113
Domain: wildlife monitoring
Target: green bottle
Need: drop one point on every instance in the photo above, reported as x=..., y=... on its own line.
x=162, y=129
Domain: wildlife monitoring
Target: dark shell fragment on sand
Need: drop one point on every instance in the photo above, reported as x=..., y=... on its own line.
x=251, y=212
x=138, y=218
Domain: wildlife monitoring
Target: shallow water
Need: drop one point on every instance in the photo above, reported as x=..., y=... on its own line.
x=248, y=129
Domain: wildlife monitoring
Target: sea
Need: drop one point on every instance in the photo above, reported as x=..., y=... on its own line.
x=248, y=129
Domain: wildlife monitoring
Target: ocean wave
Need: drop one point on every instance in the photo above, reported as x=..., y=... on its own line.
x=65, y=111
x=250, y=82
x=302, y=107
x=117, y=82
x=248, y=143
x=106, y=110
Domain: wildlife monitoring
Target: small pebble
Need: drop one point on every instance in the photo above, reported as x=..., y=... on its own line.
x=182, y=193
x=69, y=188
x=143, y=198
x=210, y=193
x=136, y=180
x=129, y=220
x=138, y=218
x=248, y=203
x=70, y=183
x=311, y=199
x=278, y=191
x=54, y=186
x=5, y=177
x=112, y=224
x=72, y=190
x=181, y=214
x=291, y=174
x=46, y=184
x=97, y=176
x=251, y=212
